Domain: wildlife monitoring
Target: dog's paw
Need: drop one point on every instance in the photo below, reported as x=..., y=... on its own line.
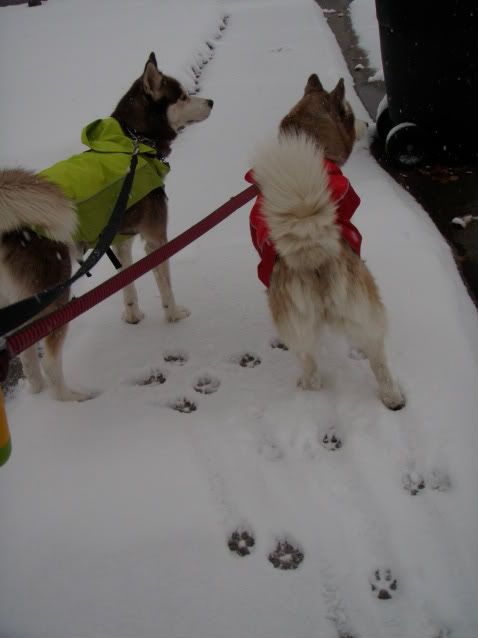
x=132, y=314
x=310, y=382
x=356, y=354
x=393, y=399
x=65, y=394
x=36, y=385
x=177, y=313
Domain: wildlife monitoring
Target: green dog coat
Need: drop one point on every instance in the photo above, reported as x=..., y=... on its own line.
x=93, y=179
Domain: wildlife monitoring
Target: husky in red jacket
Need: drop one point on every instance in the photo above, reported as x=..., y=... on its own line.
x=310, y=250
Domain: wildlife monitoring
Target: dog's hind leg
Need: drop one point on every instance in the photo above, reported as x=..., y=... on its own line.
x=32, y=369
x=163, y=280
x=53, y=367
x=301, y=342
x=310, y=379
x=390, y=391
x=132, y=312
x=372, y=345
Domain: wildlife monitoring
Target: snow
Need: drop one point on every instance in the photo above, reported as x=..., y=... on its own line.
x=116, y=512
x=364, y=20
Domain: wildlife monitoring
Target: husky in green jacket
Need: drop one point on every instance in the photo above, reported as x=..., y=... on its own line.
x=46, y=217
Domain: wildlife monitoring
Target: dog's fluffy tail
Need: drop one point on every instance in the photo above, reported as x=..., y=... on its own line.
x=28, y=200
x=291, y=174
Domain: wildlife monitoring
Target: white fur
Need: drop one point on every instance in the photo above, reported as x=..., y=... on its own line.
x=187, y=111
x=27, y=200
x=297, y=204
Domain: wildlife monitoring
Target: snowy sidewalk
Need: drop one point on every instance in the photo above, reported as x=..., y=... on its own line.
x=117, y=513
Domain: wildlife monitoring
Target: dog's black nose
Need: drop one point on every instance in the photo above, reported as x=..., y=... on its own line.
x=210, y=103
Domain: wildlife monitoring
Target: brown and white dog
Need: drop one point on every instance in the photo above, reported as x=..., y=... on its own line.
x=156, y=107
x=316, y=276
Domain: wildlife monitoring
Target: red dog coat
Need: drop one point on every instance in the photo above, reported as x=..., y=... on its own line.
x=344, y=197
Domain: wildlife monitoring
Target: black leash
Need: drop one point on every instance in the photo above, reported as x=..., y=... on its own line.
x=13, y=316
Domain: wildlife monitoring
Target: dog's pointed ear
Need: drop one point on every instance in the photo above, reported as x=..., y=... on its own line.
x=313, y=84
x=338, y=94
x=152, y=78
x=152, y=59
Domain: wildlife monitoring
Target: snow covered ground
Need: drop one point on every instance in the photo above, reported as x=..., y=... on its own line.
x=365, y=23
x=116, y=513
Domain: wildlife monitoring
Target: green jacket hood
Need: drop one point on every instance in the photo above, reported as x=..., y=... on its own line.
x=107, y=136
x=93, y=179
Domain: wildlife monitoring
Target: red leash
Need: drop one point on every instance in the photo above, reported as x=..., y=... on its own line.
x=33, y=332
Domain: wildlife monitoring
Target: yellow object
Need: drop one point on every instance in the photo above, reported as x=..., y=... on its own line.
x=5, y=442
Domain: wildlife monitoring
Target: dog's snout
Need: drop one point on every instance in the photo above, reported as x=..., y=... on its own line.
x=210, y=103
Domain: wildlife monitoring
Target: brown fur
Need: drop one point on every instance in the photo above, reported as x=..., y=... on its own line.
x=155, y=107
x=318, y=279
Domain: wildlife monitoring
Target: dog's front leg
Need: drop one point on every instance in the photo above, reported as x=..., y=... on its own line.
x=32, y=370
x=53, y=368
x=132, y=312
x=163, y=280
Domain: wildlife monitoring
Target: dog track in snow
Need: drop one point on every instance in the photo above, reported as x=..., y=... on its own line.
x=241, y=542
x=277, y=344
x=177, y=357
x=413, y=483
x=183, y=405
x=331, y=441
x=151, y=376
x=249, y=360
x=438, y=480
x=207, y=384
x=198, y=66
x=286, y=556
x=383, y=583
x=155, y=378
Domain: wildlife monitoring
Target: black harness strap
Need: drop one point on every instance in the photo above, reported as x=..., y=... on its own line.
x=13, y=316
x=113, y=258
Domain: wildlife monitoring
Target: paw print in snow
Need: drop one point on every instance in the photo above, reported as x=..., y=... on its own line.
x=178, y=358
x=155, y=378
x=207, y=384
x=278, y=344
x=331, y=441
x=413, y=482
x=383, y=583
x=286, y=556
x=183, y=405
x=248, y=360
x=241, y=543
x=148, y=376
x=439, y=480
